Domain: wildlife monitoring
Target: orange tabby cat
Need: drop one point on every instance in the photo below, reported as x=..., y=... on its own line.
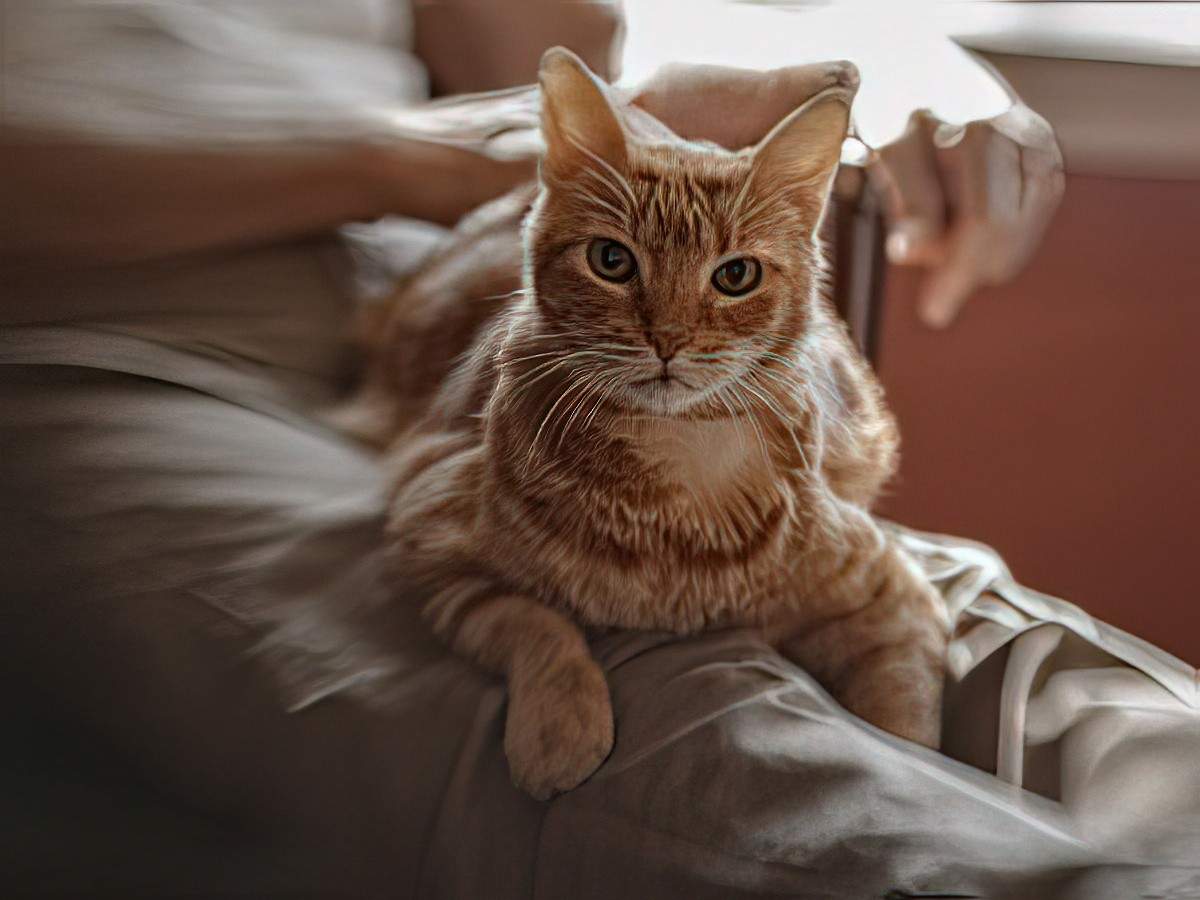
x=666, y=428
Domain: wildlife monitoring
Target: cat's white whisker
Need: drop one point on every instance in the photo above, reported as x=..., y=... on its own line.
x=753, y=420
x=549, y=416
x=734, y=417
x=785, y=420
x=503, y=296
x=605, y=396
x=525, y=382
x=595, y=383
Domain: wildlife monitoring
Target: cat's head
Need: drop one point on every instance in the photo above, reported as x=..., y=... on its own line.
x=673, y=268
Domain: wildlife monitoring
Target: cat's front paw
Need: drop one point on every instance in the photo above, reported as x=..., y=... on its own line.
x=559, y=728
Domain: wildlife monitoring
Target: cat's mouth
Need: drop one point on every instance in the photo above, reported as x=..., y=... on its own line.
x=664, y=379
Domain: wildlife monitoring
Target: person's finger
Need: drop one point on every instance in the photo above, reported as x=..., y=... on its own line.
x=1026, y=128
x=915, y=202
x=1015, y=178
x=968, y=202
x=948, y=286
x=1042, y=190
x=734, y=107
x=1043, y=181
x=981, y=171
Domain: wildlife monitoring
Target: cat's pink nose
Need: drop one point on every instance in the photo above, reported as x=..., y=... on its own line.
x=665, y=344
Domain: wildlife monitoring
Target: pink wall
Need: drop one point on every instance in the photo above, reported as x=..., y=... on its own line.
x=1059, y=421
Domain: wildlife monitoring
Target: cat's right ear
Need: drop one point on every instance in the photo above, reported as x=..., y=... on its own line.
x=798, y=158
x=579, y=124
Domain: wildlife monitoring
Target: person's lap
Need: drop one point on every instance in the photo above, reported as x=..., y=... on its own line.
x=198, y=588
x=189, y=579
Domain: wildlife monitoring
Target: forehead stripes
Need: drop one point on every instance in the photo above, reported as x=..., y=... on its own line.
x=679, y=206
x=673, y=214
x=682, y=201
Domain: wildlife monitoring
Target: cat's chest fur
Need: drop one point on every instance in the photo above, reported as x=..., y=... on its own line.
x=670, y=525
x=716, y=456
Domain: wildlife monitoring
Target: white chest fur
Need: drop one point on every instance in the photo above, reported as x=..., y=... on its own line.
x=713, y=458
x=701, y=540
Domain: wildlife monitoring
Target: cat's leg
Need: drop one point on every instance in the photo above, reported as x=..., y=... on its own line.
x=560, y=723
x=873, y=631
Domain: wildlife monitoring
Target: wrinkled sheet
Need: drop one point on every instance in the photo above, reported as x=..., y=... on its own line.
x=231, y=694
x=214, y=689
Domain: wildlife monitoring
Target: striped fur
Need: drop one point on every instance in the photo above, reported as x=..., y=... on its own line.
x=555, y=482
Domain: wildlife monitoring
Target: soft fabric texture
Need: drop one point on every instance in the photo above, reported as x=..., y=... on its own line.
x=195, y=595
x=215, y=690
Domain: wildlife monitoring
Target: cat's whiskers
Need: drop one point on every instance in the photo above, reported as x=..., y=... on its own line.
x=547, y=335
x=594, y=389
x=503, y=296
x=787, y=422
x=524, y=382
x=606, y=395
x=558, y=357
x=751, y=418
x=825, y=405
x=581, y=337
x=517, y=360
x=599, y=392
x=573, y=383
x=735, y=417
x=592, y=351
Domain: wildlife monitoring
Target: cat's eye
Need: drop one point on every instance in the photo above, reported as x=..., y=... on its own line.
x=737, y=277
x=611, y=261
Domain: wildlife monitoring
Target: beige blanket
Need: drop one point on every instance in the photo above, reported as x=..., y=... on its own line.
x=217, y=689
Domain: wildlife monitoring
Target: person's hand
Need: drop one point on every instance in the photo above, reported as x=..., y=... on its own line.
x=968, y=203
x=734, y=107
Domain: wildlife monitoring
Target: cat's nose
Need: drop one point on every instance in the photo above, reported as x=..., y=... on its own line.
x=666, y=343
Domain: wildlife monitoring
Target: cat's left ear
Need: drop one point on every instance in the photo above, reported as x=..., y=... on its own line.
x=799, y=156
x=579, y=123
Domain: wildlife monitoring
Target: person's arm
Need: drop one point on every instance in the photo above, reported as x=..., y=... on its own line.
x=476, y=45
x=69, y=202
x=66, y=202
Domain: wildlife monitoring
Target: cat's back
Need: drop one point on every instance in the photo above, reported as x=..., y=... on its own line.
x=424, y=333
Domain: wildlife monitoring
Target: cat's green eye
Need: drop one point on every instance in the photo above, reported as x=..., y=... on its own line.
x=611, y=261
x=737, y=277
